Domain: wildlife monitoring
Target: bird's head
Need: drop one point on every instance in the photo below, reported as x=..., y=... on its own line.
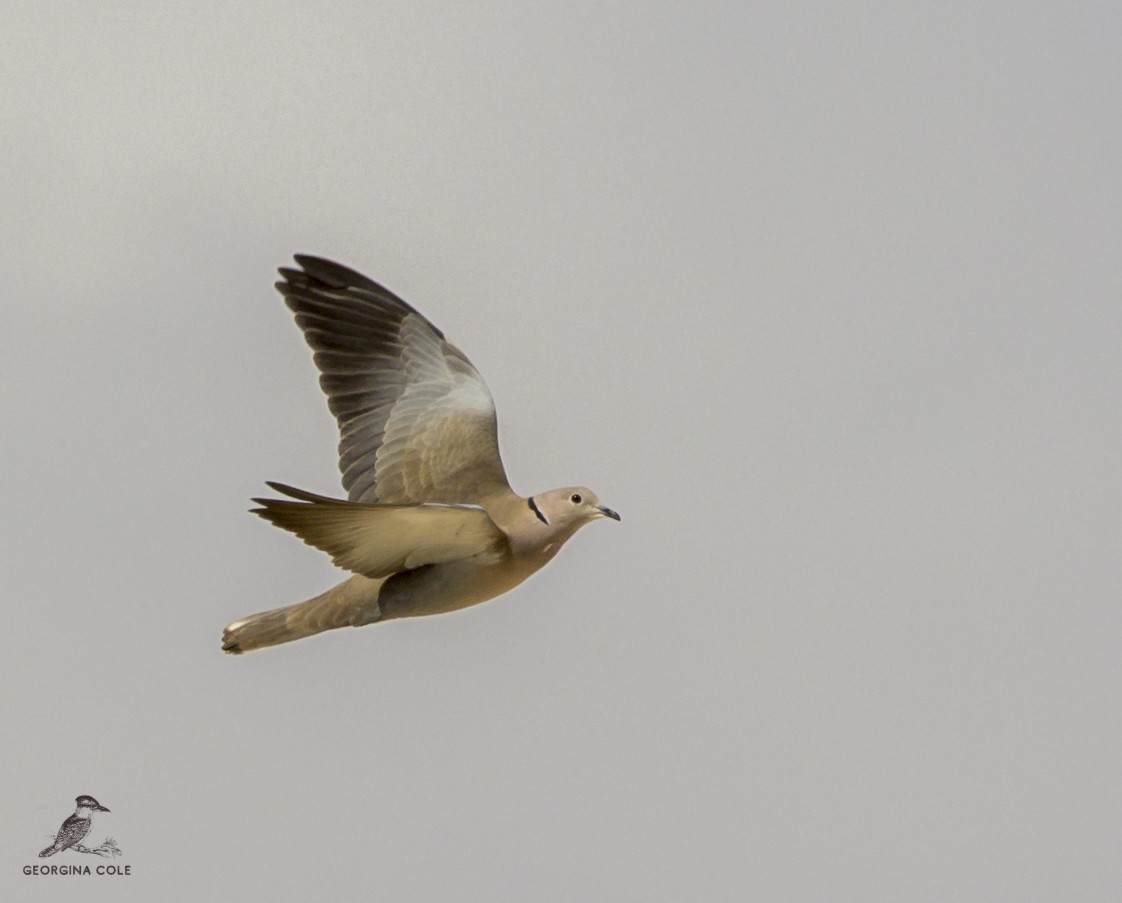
x=569, y=508
x=88, y=802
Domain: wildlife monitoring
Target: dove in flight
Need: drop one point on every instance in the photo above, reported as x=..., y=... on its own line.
x=430, y=523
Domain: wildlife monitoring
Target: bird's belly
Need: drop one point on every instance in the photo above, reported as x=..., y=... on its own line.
x=449, y=587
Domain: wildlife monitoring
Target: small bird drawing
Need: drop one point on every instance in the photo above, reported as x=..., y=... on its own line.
x=430, y=523
x=76, y=827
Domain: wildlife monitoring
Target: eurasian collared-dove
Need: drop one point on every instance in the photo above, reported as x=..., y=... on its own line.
x=431, y=524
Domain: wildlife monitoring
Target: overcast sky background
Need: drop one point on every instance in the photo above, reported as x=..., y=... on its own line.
x=824, y=299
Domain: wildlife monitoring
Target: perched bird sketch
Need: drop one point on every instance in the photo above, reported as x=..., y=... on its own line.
x=76, y=827
x=430, y=523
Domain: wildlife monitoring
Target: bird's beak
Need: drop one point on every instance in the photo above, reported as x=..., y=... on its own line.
x=608, y=512
x=100, y=808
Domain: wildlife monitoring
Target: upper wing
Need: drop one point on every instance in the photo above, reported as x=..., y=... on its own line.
x=379, y=540
x=416, y=421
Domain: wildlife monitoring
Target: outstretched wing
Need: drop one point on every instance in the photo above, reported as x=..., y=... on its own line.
x=416, y=421
x=379, y=540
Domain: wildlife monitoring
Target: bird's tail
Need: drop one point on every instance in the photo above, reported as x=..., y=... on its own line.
x=266, y=628
x=50, y=851
x=350, y=604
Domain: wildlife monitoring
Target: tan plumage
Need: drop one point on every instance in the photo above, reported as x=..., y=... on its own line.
x=380, y=540
x=431, y=523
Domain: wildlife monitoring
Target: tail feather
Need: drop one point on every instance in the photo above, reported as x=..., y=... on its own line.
x=350, y=604
x=266, y=628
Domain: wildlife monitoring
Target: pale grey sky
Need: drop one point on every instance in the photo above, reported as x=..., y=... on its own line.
x=824, y=299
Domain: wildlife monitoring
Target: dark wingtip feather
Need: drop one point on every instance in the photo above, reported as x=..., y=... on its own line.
x=319, y=273
x=302, y=495
x=310, y=261
x=292, y=279
x=331, y=273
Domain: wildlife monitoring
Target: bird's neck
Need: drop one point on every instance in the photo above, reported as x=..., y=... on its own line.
x=530, y=532
x=83, y=811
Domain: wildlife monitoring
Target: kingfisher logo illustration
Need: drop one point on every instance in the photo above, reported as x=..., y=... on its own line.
x=75, y=829
x=69, y=840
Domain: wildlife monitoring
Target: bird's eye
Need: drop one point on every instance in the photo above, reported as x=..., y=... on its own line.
x=575, y=498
